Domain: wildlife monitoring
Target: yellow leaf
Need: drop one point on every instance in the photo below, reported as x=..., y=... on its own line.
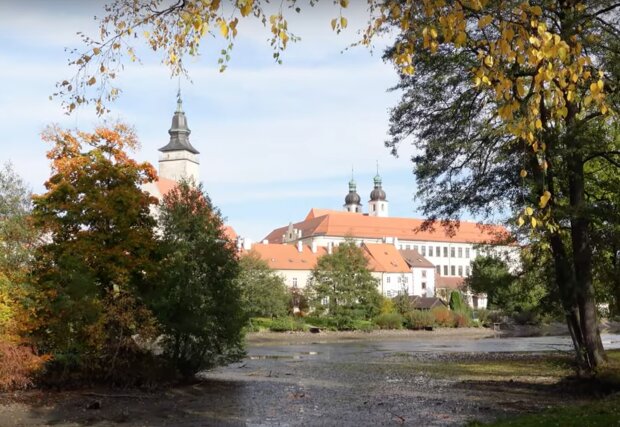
x=488, y=61
x=484, y=21
x=587, y=100
x=334, y=21
x=534, y=222
x=520, y=221
x=223, y=29
x=538, y=124
x=96, y=51
x=344, y=3
x=603, y=109
x=523, y=173
x=343, y=22
x=544, y=199
x=600, y=84
x=529, y=211
x=91, y=81
x=536, y=10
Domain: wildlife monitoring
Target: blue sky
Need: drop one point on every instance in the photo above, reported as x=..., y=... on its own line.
x=275, y=140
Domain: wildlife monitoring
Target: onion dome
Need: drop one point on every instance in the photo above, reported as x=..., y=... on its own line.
x=179, y=132
x=377, y=193
x=352, y=198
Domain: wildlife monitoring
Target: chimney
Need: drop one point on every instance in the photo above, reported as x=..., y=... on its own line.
x=313, y=247
x=265, y=242
x=300, y=246
x=247, y=244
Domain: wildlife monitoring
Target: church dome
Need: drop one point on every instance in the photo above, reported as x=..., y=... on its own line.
x=352, y=198
x=377, y=193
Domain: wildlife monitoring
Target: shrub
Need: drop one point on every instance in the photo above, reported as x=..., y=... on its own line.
x=526, y=317
x=460, y=320
x=257, y=324
x=442, y=317
x=419, y=319
x=18, y=365
x=387, y=306
x=389, y=321
x=363, y=325
x=285, y=324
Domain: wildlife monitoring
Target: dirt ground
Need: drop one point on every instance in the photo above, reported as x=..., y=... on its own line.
x=350, y=379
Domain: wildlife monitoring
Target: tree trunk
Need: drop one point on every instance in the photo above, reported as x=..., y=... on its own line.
x=582, y=260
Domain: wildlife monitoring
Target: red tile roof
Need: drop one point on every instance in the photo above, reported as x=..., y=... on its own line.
x=230, y=233
x=385, y=258
x=442, y=282
x=414, y=259
x=164, y=185
x=323, y=222
x=287, y=257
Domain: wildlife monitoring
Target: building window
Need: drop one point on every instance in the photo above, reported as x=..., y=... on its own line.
x=438, y=268
x=382, y=207
x=430, y=251
x=423, y=285
x=461, y=270
x=467, y=270
x=387, y=279
x=294, y=282
x=452, y=252
x=415, y=247
x=445, y=252
x=445, y=270
x=466, y=252
x=405, y=279
x=423, y=273
x=460, y=252
x=453, y=270
x=408, y=247
x=423, y=248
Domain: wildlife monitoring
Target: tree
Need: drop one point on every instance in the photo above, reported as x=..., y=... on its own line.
x=19, y=361
x=527, y=84
x=342, y=285
x=456, y=302
x=98, y=253
x=511, y=293
x=264, y=293
x=197, y=299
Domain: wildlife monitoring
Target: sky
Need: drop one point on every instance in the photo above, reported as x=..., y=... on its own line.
x=275, y=140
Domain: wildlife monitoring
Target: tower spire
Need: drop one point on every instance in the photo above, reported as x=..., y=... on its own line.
x=352, y=202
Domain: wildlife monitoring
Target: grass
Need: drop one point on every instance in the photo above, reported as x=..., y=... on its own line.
x=602, y=413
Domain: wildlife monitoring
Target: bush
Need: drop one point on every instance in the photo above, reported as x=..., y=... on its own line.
x=442, y=317
x=285, y=324
x=363, y=325
x=18, y=366
x=389, y=321
x=387, y=306
x=526, y=317
x=461, y=320
x=419, y=319
x=257, y=324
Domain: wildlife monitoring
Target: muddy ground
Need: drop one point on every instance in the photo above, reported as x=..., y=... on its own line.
x=351, y=379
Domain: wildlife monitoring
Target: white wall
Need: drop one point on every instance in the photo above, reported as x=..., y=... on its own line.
x=301, y=276
x=176, y=165
x=423, y=276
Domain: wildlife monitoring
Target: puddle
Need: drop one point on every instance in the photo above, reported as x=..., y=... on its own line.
x=293, y=356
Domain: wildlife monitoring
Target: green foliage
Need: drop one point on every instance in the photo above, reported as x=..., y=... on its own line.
x=285, y=324
x=456, y=302
x=419, y=319
x=511, y=293
x=196, y=296
x=402, y=302
x=342, y=287
x=387, y=306
x=98, y=253
x=389, y=321
x=263, y=292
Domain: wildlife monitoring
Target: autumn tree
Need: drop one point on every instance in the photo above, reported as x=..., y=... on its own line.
x=19, y=361
x=264, y=293
x=97, y=253
x=196, y=297
x=342, y=286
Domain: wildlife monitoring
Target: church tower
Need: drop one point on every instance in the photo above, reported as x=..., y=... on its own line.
x=352, y=201
x=179, y=159
x=378, y=205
